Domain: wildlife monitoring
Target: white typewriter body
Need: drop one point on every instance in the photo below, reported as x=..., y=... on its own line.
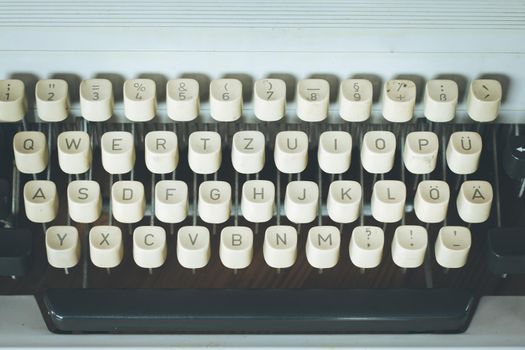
x=384, y=39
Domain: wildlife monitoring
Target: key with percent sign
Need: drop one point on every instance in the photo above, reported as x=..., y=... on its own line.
x=140, y=103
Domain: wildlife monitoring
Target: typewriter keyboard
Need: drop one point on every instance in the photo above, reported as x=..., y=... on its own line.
x=179, y=223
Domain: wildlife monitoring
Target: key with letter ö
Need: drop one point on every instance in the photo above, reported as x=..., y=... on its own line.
x=236, y=247
x=128, y=201
x=366, y=246
x=355, y=100
x=280, y=246
x=118, y=152
x=377, y=151
x=322, y=246
x=334, y=151
x=248, y=151
x=40, y=201
x=301, y=200
x=399, y=99
x=171, y=201
x=441, y=99
x=106, y=248
x=452, y=246
x=269, y=99
x=258, y=200
x=140, y=102
x=388, y=200
x=193, y=246
x=84, y=201
x=225, y=100
x=96, y=99
x=484, y=100
x=344, y=201
x=291, y=151
x=214, y=201
x=420, y=153
x=463, y=152
x=474, y=201
x=52, y=100
x=13, y=102
x=409, y=246
x=313, y=98
x=149, y=246
x=204, y=152
x=161, y=152
x=431, y=201
x=31, y=152
x=182, y=99
x=62, y=246
x=74, y=152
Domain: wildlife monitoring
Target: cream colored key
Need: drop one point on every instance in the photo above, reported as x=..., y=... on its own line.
x=399, y=99
x=30, y=150
x=269, y=99
x=140, y=101
x=193, y=246
x=344, y=201
x=96, y=99
x=463, y=152
x=441, y=99
x=204, y=152
x=452, y=246
x=13, y=101
x=74, y=152
x=291, y=151
x=161, y=152
x=301, y=201
x=214, y=201
x=171, y=201
x=313, y=98
x=236, y=247
x=40, y=201
x=106, y=248
x=366, y=246
x=420, y=152
x=322, y=246
x=484, y=100
x=52, y=100
x=388, y=200
x=258, y=200
x=248, y=151
x=62, y=246
x=409, y=246
x=334, y=152
x=225, y=100
x=474, y=201
x=280, y=246
x=128, y=201
x=84, y=201
x=377, y=151
x=355, y=99
x=182, y=99
x=118, y=152
x=431, y=201
x=149, y=246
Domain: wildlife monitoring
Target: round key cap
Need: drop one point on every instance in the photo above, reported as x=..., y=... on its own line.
x=322, y=246
x=40, y=201
x=52, y=100
x=399, y=99
x=313, y=98
x=280, y=246
x=204, y=152
x=13, y=102
x=388, y=200
x=171, y=201
x=258, y=200
x=248, y=149
x=96, y=99
x=431, y=201
x=193, y=246
x=420, y=152
x=161, y=152
x=128, y=201
x=84, y=201
x=484, y=100
x=344, y=201
x=236, y=247
x=74, y=152
x=409, y=246
x=214, y=201
x=106, y=248
x=377, y=151
x=366, y=246
x=334, y=151
x=452, y=246
x=463, y=152
x=474, y=201
x=182, y=99
x=441, y=99
x=31, y=152
x=140, y=102
x=291, y=151
x=269, y=99
x=62, y=246
x=118, y=152
x=301, y=201
x=355, y=99
x=225, y=100
x=149, y=246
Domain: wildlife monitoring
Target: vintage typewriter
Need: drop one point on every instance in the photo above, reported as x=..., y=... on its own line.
x=181, y=185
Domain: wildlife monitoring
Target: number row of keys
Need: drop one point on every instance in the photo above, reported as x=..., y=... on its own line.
x=226, y=103
x=301, y=203
x=323, y=246
x=378, y=150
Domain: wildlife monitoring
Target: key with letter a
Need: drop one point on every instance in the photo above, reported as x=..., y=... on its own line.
x=474, y=201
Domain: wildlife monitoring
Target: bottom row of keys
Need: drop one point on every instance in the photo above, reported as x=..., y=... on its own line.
x=323, y=243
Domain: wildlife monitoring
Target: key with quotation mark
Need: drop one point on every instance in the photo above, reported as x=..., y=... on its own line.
x=52, y=100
